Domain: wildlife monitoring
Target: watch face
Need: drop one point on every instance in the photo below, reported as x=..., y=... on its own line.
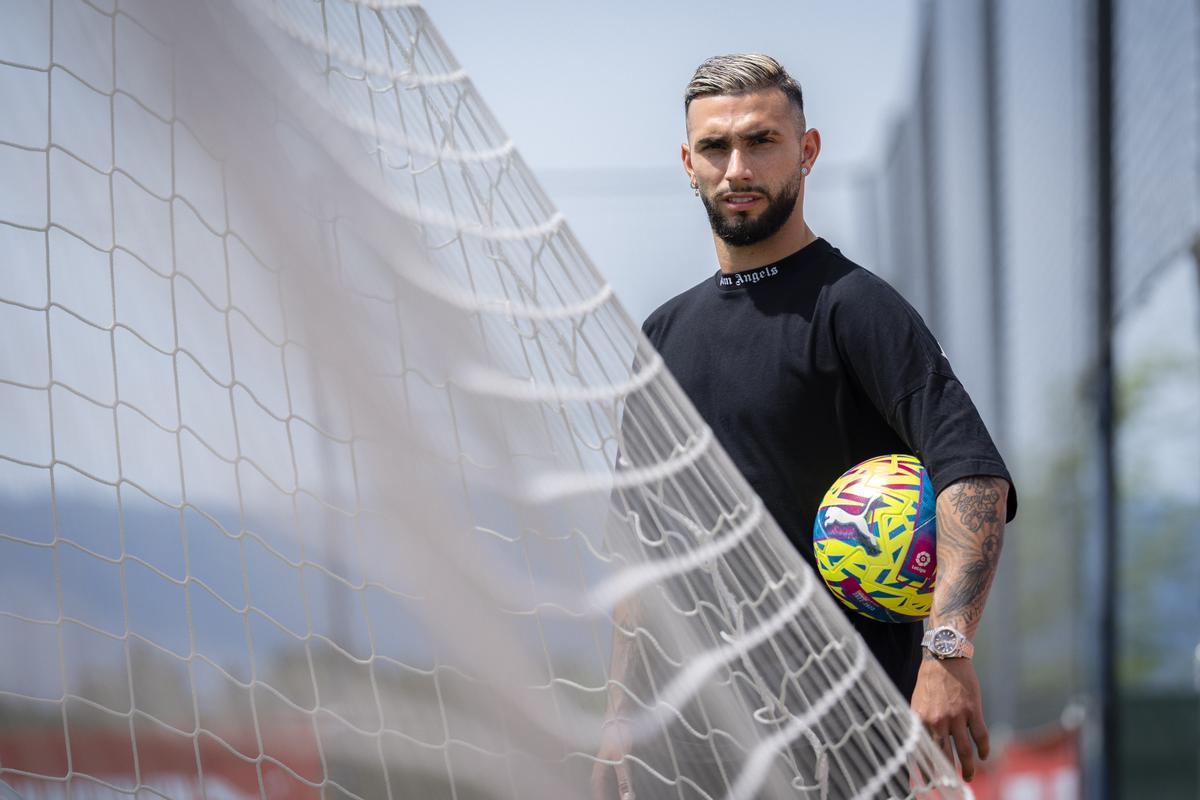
x=944, y=642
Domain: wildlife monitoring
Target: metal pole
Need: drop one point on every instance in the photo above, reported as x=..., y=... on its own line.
x=1004, y=593
x=1196, y=264
x=927, y=136
x=1109, y=768
x=995, y=200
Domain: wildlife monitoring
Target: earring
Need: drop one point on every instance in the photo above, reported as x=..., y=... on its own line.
x=695, y=188
x=804, y=170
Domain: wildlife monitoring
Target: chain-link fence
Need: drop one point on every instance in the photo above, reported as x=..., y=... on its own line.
x=985, y=210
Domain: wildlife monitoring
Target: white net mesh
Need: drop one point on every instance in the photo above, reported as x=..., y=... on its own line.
x=327, y=455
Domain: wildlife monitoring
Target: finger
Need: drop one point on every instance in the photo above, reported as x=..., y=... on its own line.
x=944, y=743
x=938, y=734
x=600, y=782
x=915, y=774
x=979, y=733
x=962, y=745
x=928, y=770
x=624, y=784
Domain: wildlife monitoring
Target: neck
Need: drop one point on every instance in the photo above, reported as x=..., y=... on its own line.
x=794, y=235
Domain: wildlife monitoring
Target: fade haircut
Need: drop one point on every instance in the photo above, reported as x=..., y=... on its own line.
x=742, y=73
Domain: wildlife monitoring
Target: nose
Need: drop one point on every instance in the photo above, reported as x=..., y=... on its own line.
x=738, y=168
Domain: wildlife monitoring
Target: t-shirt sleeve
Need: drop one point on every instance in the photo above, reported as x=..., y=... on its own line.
x=902, y=369
x=650, y=331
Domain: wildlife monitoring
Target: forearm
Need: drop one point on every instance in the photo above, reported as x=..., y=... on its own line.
x=970, y=532
x=625, y=623
x=611, y=772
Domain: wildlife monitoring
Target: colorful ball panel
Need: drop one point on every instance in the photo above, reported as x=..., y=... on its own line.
x=875, y=539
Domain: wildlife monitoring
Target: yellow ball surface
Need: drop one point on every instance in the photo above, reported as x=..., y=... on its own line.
x=875, y=539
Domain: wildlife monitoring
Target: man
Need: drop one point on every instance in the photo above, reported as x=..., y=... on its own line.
x=805, y=364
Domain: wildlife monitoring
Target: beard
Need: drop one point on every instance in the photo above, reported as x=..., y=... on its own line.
x=741, y=229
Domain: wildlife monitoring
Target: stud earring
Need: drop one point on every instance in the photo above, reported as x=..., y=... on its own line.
x=804, y=170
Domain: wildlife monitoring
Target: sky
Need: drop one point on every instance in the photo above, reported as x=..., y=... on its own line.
x=591, y=93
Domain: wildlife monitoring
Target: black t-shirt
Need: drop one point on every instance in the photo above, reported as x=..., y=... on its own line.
x=808, y=366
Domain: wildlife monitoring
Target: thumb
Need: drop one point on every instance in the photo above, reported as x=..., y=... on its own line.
x=624, y=783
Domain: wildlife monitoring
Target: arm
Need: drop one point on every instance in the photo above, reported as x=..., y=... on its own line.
x=615, y=738
x=970, y=531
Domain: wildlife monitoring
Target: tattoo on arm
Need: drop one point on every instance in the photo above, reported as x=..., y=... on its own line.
x=970, y=535
x=966, y=595
x=975, y=503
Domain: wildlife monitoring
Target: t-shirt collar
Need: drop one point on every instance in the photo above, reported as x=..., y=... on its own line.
x=770, y=273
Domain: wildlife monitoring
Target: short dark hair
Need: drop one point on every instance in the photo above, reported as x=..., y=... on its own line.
x=742, y=73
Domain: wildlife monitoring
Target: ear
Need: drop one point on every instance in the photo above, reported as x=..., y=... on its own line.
x=810, y=147
x=686, y=154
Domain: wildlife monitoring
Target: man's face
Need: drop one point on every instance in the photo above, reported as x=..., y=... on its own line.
x=745, y=153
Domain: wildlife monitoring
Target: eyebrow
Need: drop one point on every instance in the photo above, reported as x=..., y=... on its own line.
x=758, y=133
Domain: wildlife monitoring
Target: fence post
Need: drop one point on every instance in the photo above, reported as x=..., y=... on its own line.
x=1106, y=776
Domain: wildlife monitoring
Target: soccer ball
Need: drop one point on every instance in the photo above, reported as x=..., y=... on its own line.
x=875, y=537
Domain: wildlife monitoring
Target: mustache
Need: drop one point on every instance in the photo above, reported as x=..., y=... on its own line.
x=745, y=190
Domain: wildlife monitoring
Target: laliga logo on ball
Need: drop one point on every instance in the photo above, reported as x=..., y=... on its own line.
x=875, y=539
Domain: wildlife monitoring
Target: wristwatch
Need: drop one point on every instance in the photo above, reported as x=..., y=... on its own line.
x=946, y=642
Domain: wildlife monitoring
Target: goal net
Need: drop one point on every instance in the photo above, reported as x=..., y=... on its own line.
x=330, y=466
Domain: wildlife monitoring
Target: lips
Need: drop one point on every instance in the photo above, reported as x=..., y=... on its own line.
x=740, y=200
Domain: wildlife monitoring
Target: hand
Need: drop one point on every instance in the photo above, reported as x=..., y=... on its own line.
x=615, y=742
x=947, y=700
